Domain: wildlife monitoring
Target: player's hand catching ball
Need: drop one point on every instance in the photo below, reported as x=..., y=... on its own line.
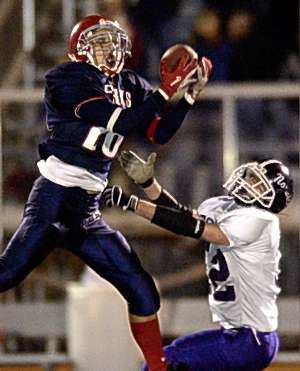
x=114, y=196
x=199, y=80
x=177, y=64
x=139, y=170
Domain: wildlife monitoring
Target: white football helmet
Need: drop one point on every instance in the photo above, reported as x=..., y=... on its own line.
x=265, y=184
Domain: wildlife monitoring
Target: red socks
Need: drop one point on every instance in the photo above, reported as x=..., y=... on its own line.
x=148, y=337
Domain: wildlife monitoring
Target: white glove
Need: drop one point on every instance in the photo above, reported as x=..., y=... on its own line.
x=137, y=169
x=200, y=79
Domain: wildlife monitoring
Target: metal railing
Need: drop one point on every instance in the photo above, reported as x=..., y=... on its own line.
x=228, y=95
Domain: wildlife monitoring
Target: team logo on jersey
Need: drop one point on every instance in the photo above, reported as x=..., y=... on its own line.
x=119, y=97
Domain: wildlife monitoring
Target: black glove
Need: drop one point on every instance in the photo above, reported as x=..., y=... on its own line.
x=114, y=196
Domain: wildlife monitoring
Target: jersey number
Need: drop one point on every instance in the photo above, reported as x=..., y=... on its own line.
x=110, y=141
x=218, y=276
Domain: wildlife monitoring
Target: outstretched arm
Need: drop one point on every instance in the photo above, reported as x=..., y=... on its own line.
x=163, y=209
x=142, y=173
x=104, y=111
x=163, y=129
x=182, y=221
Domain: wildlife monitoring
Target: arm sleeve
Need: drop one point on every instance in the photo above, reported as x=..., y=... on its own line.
x=146, y=106
x=162, y=129
x=148, y=116
x=123, y=121
x=242, y=230
x=180, y=221
x=76, y=90
x=167, y=200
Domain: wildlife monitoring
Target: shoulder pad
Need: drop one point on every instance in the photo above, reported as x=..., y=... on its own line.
x=71, y=83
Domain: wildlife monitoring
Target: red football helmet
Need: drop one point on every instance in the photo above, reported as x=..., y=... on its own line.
x=94, y=36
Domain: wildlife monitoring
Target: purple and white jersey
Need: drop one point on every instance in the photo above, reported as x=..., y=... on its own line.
x=243, y=276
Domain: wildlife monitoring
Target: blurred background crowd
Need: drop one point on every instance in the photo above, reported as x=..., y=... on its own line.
x=248, y=41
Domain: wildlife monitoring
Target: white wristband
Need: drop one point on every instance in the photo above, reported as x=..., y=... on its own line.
x=165, y=95
x=189, y=98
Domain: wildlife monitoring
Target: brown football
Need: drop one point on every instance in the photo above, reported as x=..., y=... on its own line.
x=172, y=55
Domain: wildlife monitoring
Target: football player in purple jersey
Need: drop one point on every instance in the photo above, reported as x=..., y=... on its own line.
x=242, y=258
x=92, y=105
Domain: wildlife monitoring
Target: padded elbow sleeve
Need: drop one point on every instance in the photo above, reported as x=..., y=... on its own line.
x=179, y=221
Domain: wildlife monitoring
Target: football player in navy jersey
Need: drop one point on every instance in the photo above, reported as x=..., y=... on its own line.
x=92, y=105
x=242, y=259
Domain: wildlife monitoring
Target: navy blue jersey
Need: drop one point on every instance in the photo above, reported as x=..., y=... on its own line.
x=89, y=114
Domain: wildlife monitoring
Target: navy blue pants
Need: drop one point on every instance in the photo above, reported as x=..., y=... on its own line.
x=222, y=350
x=53, y=216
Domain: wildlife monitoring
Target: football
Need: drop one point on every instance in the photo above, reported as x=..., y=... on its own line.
x=172, y=55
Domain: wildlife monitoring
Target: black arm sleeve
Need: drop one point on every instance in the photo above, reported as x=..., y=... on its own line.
x=171, y=122
x=166, y=199
x=180, y=221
